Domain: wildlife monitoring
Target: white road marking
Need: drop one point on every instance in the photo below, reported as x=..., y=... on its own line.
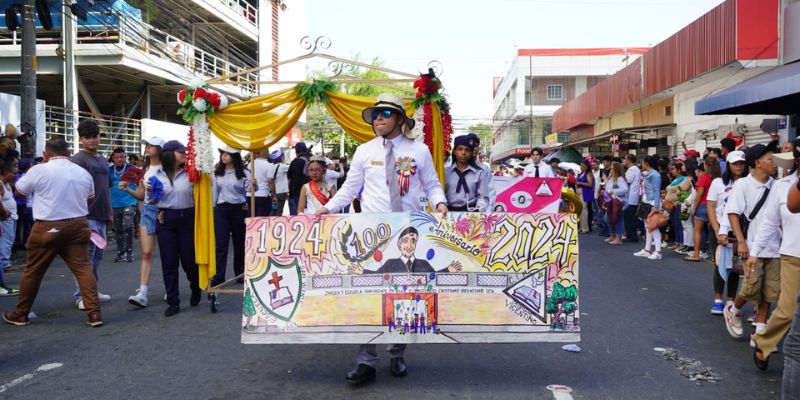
x=560, y=392
x=29, y=376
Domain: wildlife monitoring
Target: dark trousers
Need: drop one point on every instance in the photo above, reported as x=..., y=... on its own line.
x=263, y=206
x=631, y=223
x=675, y=225
x=293, y=205
x=277, y=210
x=176, y=245
x=68, y=239
x=357, y=206
x=24, y=224
x=229, y=222
x=791, y=359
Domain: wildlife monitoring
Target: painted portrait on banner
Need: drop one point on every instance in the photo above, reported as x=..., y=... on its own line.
x=412, y=278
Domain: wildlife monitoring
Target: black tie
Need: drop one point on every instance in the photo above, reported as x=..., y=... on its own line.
x=462, y=181
x=408, y=265
x=537, y=171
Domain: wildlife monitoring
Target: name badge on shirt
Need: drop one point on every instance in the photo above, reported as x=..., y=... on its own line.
x=376, y=163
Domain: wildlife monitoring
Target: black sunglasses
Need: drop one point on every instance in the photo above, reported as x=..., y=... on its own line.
x=385, y=113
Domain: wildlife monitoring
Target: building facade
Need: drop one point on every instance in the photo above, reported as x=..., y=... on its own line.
x=123, y=62
x=540, y=81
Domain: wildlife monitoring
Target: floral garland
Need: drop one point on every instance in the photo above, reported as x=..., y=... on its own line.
x=197, y=103
x=429, y=90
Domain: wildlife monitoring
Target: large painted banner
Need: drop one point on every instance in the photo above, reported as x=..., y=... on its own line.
x=412, y=278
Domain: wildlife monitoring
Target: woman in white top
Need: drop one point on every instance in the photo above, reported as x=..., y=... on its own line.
x=718, y=194
x=316, y=193
x=147, y=222
x=231, y=179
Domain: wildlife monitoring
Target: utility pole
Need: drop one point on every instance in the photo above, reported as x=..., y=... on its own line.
x=27, y=80
x=70, y=74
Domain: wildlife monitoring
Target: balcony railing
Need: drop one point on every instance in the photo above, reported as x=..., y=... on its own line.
x=115, y=131
x=244, y=9
x=124, y=30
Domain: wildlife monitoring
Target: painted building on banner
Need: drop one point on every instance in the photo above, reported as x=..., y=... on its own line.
x=649, y=106
x=540, y=81
x=121, y=63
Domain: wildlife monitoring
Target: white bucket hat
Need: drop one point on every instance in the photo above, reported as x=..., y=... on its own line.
x=388, y=101
x=229, y=149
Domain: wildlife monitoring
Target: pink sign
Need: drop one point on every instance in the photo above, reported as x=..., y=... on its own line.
x=531, y=195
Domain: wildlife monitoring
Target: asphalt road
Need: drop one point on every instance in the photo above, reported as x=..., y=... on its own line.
x=629, y=306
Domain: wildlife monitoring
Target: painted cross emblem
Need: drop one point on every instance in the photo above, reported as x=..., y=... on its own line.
x=278, y=289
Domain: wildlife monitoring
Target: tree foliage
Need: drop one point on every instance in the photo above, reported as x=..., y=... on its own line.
x=561, y=301
x=485, y=132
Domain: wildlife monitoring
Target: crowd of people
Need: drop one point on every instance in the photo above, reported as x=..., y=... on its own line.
x=729, y=206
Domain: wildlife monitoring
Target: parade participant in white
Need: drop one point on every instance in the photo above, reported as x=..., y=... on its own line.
x=538, y=168
x=397, y=174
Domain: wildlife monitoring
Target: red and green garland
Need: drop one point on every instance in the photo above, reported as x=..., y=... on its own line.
x=429, y=90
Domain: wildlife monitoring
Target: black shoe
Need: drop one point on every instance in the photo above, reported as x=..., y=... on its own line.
x=362, y=373
x=760, y=364
x=398, y=367
x=172, y=310
x=195, y=298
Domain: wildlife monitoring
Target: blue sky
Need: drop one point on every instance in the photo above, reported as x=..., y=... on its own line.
x=476, y=40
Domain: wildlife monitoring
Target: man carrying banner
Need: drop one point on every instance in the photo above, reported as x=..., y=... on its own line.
x=397, y=174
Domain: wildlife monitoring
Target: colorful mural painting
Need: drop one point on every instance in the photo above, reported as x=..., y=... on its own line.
x=412, y=278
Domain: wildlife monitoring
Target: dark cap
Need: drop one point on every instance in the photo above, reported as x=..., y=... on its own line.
x=300, y=147
x=174, y=145
x=465, y=140
x=757, y=151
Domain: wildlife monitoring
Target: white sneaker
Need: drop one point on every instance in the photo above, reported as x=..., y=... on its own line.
x=79, y=304
x=642, y=253
x=759, y=330
x=103, y=297
x=704, y=255
x=139, y=299
x=733, y=321
x=655, y=256
x=165, y=297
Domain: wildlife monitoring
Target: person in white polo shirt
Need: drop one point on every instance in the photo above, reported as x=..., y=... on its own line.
x=745, y=206
x=62, y=192
x=397, y=174
x=777, y=219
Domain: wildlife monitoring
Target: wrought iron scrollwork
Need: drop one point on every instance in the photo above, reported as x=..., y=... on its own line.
x=436, y=67
x=315, y=45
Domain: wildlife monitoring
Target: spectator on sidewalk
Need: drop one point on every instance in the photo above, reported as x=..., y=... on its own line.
x=726, y=146
x=699, y=212
x=633, y=175
x=761, y=272
x=718, y=195
x=62, y=191
x=147, y=223
x=100, y=217
x=778, y=218
x=617, y=188
x=123, y=206
x=585, y=182
x=652, y=197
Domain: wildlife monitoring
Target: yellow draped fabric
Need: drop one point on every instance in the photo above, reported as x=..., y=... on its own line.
x=204, y=251
x=254, y=125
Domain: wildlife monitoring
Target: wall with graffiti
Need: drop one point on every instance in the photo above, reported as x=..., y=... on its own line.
x=412, y=278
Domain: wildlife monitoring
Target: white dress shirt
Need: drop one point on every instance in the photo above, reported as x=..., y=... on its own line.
x=634, y=178
x=775, y=216
x=60, y=187
x=331, y=176
x=544, y=170
x=368, y=171
x=262, y=170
